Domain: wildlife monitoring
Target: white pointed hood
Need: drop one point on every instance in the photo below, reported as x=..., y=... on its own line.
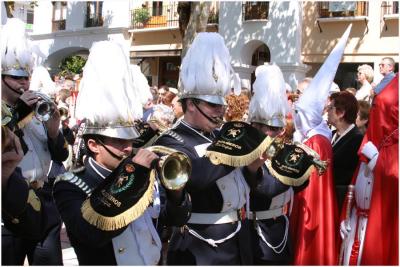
x=309, y=107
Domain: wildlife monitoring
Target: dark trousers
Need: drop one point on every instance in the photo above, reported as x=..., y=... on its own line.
x=47, y=252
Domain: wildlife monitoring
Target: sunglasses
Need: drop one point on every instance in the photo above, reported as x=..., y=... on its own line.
x=17, y=77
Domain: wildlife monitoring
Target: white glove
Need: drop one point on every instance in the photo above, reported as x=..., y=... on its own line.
x=371, y=152
x=345, y=229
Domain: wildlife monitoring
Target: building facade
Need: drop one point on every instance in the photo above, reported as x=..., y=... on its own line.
x=295, y=35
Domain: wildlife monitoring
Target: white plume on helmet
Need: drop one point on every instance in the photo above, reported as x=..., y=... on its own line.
x=269, y=103
x=141, y=85
x=107, y=98
x=42, y=82
x=16, y=54
x=206, y=71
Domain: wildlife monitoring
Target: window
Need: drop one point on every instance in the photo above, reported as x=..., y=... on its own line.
x=343, y=9
x=390, y=7
x=29, y=19
x=94, y=11
x=157, y=8
x=255, y=10
x=59, y=15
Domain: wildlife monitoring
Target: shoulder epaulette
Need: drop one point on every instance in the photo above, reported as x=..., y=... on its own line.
x=173, y=135
x=73, y=179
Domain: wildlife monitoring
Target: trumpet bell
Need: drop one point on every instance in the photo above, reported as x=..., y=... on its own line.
x=175, y=170
x=174, y=167
x=44, y=108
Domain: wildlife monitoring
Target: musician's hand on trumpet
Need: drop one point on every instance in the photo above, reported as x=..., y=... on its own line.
x=145, y=158
x=30, y=98
x=53, y=123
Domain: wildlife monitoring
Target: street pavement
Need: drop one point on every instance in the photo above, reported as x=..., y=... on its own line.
x=69, y=256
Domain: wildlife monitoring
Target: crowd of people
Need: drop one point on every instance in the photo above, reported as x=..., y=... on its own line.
x=103, y=162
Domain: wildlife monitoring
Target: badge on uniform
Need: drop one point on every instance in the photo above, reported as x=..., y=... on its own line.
x=121, y=198
x=238, y=144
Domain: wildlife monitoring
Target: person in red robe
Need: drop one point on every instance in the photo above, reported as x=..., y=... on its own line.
x=314, y=222
x=371, y=232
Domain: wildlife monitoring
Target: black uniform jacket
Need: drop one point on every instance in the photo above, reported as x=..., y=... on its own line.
x=273, y=229
x=92, y=245
x=184, y=248
x=345, y=156
x=22, y=209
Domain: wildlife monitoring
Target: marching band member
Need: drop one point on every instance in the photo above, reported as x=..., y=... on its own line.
x=217, y=232
x=41, y=142
x=106, y=204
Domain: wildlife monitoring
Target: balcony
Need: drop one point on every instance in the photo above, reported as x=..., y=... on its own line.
x=342, y=9
x=167, y=16
x=58, y=25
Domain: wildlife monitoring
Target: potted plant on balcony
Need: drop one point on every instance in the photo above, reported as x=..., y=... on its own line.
x=141, y=16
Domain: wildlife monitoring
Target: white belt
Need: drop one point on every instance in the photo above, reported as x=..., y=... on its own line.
x=267, y=214
x=214, y=218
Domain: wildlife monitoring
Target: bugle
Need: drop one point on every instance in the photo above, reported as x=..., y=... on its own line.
x=173, y=167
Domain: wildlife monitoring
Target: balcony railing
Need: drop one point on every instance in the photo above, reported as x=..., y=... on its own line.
x=58, y=25
x=142, y=18
x=390, y=7
x=94, y=22
x=342, y=9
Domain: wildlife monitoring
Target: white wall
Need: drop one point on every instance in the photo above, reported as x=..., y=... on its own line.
x=281, y=33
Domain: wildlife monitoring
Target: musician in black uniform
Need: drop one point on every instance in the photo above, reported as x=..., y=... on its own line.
x=269, y=199
x=217, y=232
x=41, y=142
x=111, y=206
x=21, y=210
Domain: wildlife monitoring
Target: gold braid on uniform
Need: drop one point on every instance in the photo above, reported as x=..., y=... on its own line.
x=242, y=160
x=121, y=220
x=288, y=180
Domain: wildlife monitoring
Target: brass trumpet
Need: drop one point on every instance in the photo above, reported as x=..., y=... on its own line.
x=64, y=113
x=44, y=108
x=174, y=167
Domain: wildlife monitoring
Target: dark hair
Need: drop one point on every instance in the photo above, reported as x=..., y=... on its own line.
x=86, y=138
x=346, y=102
x=364, y=108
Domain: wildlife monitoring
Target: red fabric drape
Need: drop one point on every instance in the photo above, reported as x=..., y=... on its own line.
x=314, y=220
x=381, y=245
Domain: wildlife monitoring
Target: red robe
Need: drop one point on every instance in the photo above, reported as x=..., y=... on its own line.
x=314, y=219
x=381, y=245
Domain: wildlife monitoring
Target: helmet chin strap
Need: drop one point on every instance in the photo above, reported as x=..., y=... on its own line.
x=10, y=87
x=109, y=151
x=205, y=115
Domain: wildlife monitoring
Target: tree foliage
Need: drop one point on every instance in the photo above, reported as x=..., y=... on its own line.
x=193, y=18
x=72, y=65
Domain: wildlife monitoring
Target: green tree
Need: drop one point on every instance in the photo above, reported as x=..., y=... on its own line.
x=71, y=65
x=193, y=18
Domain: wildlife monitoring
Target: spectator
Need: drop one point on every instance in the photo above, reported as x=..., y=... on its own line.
x=342, y=113
x=168, y=97
x=386, y=68
x=161, y=93
x=351, y=90
x=365, y=76
x=363, y=115
x=238, y=106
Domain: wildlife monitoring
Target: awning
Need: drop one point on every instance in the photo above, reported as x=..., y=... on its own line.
x=163, y=50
